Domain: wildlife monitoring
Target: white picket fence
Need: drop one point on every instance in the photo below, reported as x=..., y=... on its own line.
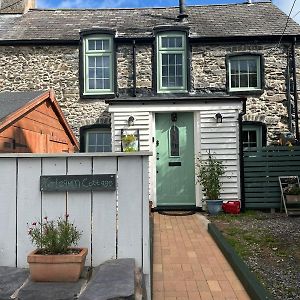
x=115, y=224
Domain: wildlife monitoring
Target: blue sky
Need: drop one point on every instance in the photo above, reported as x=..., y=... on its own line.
x=284, y=5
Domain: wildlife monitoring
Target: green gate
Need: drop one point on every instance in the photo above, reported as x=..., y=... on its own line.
x=261, y=170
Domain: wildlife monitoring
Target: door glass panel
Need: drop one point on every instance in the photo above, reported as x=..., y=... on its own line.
x=174, y=141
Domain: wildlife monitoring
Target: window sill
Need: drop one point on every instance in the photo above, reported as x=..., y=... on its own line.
x=246, y=92
x=98, y=96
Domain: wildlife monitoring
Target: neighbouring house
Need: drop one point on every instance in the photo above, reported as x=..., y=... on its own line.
x=171, y=81
x=32, y=122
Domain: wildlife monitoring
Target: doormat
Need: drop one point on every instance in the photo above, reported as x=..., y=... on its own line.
x=176, y=213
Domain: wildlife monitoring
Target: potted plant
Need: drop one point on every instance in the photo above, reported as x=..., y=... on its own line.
x=55, y=258
x=208, y=174
x=292, y=194
x=129, y=143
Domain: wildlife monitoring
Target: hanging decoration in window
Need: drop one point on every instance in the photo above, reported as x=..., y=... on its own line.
x=174, y=140
x=130, y=140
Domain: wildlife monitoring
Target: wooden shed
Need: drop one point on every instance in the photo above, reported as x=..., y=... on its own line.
x=33, y=122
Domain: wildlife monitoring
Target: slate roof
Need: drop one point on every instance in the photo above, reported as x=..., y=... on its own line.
x=12, y=101
x=213, y=21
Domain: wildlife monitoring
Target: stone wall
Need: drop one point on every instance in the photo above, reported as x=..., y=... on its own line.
x=43, y=67
x=209, y=76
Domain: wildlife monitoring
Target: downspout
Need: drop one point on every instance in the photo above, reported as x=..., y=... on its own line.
x=134, y=68
x=295, y=89
x=241, y=154
x=288, y=92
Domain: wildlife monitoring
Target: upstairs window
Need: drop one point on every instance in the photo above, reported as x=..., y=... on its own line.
x=98, y=64
x=171, y=62
x=244, y=73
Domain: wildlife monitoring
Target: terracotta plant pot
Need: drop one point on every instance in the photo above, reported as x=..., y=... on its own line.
x=63, y=268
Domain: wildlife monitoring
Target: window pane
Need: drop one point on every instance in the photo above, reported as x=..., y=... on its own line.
x=106, y=83
x=91, y=84
x=243, y=66
x=99, y=73
x=164, y=42
x=99, y=141
x=91, y=44
x=179, y=59
x=252, y=66
x=105, y=61
x=179, y=81
x=164, y=82
x=253, y=81
x=92, y=138
x=91, y=149
x=99, y=84
x=178, y=42
x=99, y=61
x=165, y=59
x=172, y=71
x=91, y=61
x=164, y=70
x=179, y=71
x=174, y=141
x=171, y=59
x=234, y=67
x=244, y=80
x=234, y=81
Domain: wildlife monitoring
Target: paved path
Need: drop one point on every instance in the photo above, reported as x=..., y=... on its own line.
x=188, y=264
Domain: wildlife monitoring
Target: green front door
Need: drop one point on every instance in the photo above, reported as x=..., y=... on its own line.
x=175, y=169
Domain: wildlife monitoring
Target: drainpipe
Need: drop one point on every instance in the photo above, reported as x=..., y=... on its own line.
x=241, y=154
x=288, y=92
x=134, y=68
x=295, y=89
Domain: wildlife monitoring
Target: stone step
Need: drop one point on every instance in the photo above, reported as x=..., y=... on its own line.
x=114, y=279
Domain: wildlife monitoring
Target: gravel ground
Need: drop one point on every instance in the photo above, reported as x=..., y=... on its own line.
x=270, y=246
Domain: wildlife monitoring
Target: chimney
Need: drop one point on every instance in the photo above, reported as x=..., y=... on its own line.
x=182, y=14
x=16, y=6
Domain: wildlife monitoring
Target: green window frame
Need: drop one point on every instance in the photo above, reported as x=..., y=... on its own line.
x=98, y=64
x=98, y=140
x=244, y=73
x=252, y=136
x=171, y=62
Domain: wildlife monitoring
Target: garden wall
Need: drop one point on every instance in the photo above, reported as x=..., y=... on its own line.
x=115, y=223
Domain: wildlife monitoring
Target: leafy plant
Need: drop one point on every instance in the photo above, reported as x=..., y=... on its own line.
x=292, y=190
x=54, y=237
x=208, y=173
x=128, y=138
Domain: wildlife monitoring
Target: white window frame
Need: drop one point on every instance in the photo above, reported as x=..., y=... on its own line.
x=98, y=53
x=178, y=50
x=258, y=71
x=96, y=130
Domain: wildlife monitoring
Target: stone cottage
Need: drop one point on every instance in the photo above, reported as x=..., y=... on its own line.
x=176, y=82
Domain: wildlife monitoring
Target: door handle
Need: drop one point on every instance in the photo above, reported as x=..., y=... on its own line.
x=157, y=143
x=157, y=156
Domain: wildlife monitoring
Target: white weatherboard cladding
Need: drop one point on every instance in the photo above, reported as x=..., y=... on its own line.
x=141, y=122
x=221, y=139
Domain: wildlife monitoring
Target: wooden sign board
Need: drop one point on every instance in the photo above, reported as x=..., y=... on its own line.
x=79, y=183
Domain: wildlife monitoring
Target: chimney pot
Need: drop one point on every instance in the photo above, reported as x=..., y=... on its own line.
x=182, y=13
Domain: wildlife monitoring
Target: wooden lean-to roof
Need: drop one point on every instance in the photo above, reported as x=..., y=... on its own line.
x=212, y=21
x=15, y=105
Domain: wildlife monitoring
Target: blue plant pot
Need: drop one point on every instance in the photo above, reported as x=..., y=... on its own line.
x=214, y=206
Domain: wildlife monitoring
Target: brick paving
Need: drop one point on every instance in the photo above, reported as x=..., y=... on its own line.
x=187, y=264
